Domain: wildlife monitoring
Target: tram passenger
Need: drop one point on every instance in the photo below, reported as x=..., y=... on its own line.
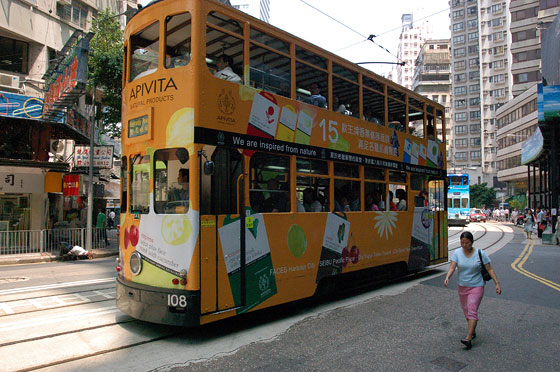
x=370, y=204
x=310, y=201
x=401, y=195
x=338, y=107
x=225, y=72
x=470, y=282
x=276, y=201
x=316, y=98
x=392, y=205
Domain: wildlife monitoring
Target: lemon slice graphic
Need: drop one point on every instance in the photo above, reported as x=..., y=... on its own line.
x=176, y=230
x=297, y=241
x=180, y=129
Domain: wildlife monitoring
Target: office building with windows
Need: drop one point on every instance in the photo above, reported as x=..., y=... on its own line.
x=411, y=39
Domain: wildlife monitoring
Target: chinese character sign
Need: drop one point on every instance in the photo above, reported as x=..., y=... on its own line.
x=71, y=185
x=102, y=156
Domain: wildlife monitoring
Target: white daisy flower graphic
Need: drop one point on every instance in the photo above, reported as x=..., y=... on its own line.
x=384, y=223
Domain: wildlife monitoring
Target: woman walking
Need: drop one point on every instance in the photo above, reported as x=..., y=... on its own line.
x=471, y=283
x=529, y=221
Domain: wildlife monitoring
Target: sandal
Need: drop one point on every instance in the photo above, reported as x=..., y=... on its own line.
x=473, y=336
x=467, y=343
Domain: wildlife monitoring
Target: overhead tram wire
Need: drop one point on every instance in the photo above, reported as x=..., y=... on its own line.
x=381, y=34
x=366, y=38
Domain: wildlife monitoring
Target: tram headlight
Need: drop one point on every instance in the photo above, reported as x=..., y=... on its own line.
x=135, y=263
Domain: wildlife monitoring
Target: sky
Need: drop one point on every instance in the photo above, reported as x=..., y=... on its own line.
x=343, y=26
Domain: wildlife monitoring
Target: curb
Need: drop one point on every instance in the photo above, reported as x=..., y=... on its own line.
x=47, y=257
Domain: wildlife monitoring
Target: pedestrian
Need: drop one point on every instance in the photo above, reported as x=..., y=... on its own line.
x=101, y=227
x=111, y=222
x=470, y=283
x=529, y=221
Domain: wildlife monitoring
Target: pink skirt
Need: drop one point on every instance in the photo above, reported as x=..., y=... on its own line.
x=470, y=298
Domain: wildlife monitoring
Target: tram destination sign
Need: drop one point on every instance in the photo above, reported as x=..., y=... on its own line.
x=242, y=141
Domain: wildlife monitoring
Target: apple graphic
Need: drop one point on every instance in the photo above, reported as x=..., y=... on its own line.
x=126, y=238
x=355, y=254
x=134, y=235
x=345, y=256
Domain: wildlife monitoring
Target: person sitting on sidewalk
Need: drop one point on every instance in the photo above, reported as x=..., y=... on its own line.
x=74, y=252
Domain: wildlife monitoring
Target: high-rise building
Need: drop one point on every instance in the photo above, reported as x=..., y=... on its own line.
x=481, y=83
x=257, y=8
x=517, y=120
x=432, y=79
x=35, y=152
x=411, y=40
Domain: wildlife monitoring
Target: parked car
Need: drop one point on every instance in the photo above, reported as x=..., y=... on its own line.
x=477, y=215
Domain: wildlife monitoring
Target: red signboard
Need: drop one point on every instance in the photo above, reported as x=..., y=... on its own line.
x=71, y=185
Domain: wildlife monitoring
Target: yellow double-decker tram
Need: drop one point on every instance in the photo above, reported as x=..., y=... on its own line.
x=255, y=165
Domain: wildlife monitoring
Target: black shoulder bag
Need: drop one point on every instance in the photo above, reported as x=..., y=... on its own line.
x=485, y=274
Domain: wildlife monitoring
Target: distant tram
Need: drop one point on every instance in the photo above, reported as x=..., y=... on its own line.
x=458, y=199
x=244, y=182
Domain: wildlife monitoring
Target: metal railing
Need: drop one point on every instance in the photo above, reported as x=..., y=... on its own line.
x=49, y=241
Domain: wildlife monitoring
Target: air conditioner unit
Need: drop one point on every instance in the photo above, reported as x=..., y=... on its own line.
x=8, y=80
x=61, y=149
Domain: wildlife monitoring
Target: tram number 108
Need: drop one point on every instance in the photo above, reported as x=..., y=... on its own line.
x=174, y=300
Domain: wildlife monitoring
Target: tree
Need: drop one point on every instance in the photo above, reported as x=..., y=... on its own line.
x=105, y=69
x=481, y=195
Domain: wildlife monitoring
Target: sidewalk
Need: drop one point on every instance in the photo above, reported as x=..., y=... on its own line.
x=18, y=259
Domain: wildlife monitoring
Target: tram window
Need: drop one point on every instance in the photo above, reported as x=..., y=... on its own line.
x=124, y=183
x=219, y=43
x=144, y=48
x=178, y=40
x=270, y=71
x=224, y=193
x=140, y=184
x=345, y=97
x=312, y=194
x=439, y=125
x=270, y=41
x=346, y=170
x=311, y=166
x=436, y=195
x=430, y=127
x=415, y=121
x=399, y=197
x=346, y=195
x=465, y=181
x=225, y=22
x=417, y=182
x=171, y=175
x=311, y=58
x=345, y=73
x=397, y=111
x=457, y=203
x=374, y=199
x=395, y=176
x=269, y=183
x=374, y=106
x=307, y=78
x=464, y=202
x=371, y=173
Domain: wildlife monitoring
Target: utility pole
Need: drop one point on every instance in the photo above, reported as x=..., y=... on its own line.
x=89, y=230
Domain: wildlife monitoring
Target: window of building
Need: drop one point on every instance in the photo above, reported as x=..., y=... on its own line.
x=460, y=129
x=473, y=49
x=458, y=14
x=473, y=115
x=459, y=52
x=460, y=77
x=461, y=156
x=526, y=77
x=546, y=4
x=459, y=26
x=496, y=22
x=460, y=116
x=522, y=14
x=459, y=65
x=475, y=155
x=471, y=11
x=460, y=90
x=474, y=75
x=15, y=55
x=460, y=39
x=460, y=103
x=475, y=128
x=475, y=141
x=474, y=88
x=461, y=142
x=524, y=35
x=474, y=101
x=471, y=24
x=473, y=36
x=473, y=62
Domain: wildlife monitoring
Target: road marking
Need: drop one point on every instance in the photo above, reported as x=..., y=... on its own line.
x=53, y=286
x=64, y=317
x=517, y=265
x=7, y=309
